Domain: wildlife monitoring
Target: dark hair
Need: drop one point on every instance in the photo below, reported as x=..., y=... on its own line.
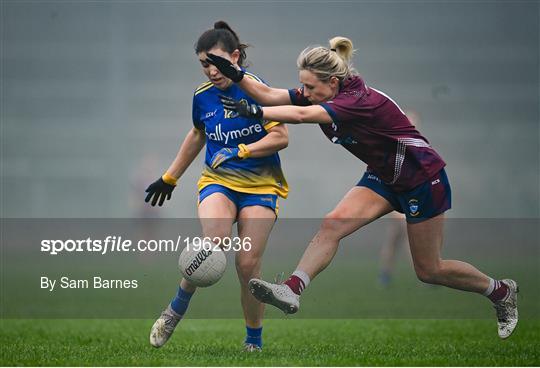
x=223, y=36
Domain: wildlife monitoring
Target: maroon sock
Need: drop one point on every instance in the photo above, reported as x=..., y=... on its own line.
x=499, y=292
x=296, y=284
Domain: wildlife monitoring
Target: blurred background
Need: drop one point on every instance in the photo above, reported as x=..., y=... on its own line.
x=96, y=98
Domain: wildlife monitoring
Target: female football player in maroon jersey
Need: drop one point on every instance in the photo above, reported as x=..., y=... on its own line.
x=404, y=173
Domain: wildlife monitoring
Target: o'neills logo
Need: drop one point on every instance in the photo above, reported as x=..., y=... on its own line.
x=197, y=261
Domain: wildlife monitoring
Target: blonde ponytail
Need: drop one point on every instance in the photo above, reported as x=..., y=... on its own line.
x=343, y=47
x=328, y=62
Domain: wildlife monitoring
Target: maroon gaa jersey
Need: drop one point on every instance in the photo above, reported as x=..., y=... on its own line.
x=371, y=126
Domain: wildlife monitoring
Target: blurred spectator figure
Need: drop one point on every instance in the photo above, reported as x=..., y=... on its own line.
x=144, y=218
x=143, y=173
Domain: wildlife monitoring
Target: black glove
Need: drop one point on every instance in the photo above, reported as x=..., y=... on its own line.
x=243, y=108
x=159, y=190
x=225, y=67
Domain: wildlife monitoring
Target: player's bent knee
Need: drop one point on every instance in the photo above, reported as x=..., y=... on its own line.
x=429, y=275
x=336, y=224
x=218, y=229
x=217, y=235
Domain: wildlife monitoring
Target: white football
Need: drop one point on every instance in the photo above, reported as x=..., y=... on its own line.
x=202, y=267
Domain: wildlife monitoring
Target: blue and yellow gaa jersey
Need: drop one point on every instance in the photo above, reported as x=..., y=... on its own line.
x=224, y=128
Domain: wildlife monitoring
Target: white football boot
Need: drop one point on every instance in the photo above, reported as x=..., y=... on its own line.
x=164, y=327
x=251, y=348
x=507, y=312
x=278, y=295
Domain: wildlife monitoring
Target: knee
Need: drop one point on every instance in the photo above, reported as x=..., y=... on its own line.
x=428, y=273
x=247, y=268
x=218, y=234
x=332, y=222
x=335, y=224
x=216, y=229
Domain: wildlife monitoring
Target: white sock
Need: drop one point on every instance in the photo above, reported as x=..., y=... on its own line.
x=302, y=276
x=490, y=288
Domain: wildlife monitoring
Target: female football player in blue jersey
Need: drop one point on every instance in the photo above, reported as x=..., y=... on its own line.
x=404, y=174
x=240, y=182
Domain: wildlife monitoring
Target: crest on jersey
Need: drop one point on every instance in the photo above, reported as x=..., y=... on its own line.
x=413, y=207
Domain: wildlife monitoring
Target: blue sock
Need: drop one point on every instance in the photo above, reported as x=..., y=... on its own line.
x=181, y=301
x=254, y=336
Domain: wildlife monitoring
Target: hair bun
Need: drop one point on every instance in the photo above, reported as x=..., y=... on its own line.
x=221, y=25
x=223, y=36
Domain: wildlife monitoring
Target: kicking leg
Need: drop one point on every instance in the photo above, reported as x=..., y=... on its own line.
x=359, y=207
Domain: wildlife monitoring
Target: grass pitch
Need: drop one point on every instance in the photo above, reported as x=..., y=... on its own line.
x=290, y=341
x=407, y=324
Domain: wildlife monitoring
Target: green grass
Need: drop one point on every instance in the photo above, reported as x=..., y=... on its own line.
x=408, y=324
x=329, y=296
x=289, y=341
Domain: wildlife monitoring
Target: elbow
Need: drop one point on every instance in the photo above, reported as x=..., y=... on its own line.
x=284, y=143
x=301, y=117
x=198, y=135
x=281, y=142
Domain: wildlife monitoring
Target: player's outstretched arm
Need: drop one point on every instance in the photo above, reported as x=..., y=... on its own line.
x=260, y=92
x=265, y=95
x=162, y=188
x=314, y=114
